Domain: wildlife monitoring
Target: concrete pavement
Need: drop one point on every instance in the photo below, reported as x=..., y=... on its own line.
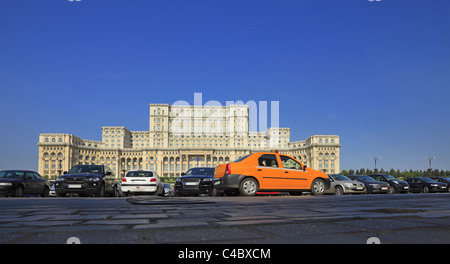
x=403, y=218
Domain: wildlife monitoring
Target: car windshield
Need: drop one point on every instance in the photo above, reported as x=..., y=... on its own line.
x=87, y=169
x=200, y=171
x=389, y=177
x=139, y=174
x=339, y=177
x=363, y=178
x=12, y=174
x=241, y=158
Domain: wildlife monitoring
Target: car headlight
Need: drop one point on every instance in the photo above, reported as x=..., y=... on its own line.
x=59, y=179
x=374, y=185
x=5, y=184
x=348, y=184
x=434, y=185
x=93, y=179
x=207, y=179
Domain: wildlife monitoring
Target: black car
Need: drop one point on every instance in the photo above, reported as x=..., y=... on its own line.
x=20, y=182
x=443, y=180
x=372, y=185
x=395, y=185
x=96, y=180
x=425, y=185
x=195, y=181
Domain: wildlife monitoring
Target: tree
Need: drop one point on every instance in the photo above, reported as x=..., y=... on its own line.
x=344, y=172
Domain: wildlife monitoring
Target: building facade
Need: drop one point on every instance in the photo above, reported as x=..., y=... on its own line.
x=182, y=137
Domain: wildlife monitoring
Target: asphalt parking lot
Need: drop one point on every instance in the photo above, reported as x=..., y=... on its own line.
x=402, y=218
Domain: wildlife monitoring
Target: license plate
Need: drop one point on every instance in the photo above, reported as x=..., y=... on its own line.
x=359, y=188
x=406, y=187
x=74, y=186
x=191, y=183
x=384, y=188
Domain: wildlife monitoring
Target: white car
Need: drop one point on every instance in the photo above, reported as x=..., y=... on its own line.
x=142, y=181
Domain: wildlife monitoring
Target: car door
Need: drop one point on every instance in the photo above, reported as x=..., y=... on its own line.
x=39, y=183
x=29, y=183
x=268, y=172
x=294, y=175
x=414, y=185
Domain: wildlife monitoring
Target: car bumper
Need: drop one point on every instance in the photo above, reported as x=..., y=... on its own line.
x=228, y=182
x=354, y=189
x=7, y=190
x=84, y=188
x=133, y=188
x=384, y=189
x=402, y=189
x=193, y=190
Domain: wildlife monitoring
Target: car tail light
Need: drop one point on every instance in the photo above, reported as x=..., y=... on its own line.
x=124, y=180
x=228, y=169
x=152, y=179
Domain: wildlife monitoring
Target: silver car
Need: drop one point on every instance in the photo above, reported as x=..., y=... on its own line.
x=341, y=184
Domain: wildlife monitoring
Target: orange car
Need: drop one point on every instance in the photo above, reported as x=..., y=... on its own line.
x=268, y=171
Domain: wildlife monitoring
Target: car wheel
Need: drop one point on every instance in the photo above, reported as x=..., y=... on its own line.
x=425, y=189
x=115, y=192
x=46, y=192
x=318, y=187
x=19, y=191
x=338, y=190
x=248, y=187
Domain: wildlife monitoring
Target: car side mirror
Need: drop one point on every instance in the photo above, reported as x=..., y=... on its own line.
x=65, y=172
x=304, y=168
x=182, y=174
x=108, y=173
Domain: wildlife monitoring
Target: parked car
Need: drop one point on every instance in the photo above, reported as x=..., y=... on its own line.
x=341, y=184
x=96, y=180
x=20, y=182
x=196, y=181
x=443, y=180
x=372, y=186
x=395, y=185
x=52, y=189
x=143, y=182
x=269, y=171
x=425, y=185
x=168, y=190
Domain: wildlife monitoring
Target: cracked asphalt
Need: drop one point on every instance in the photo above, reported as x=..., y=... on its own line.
x=393, y=219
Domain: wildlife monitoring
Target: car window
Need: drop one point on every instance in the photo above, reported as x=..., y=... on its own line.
x=36, y=176
x=241, y=158
x=139, y=174
x=268, y=160
x=289, y=163
x=200, y=171
x=378, y=177
x=29, y=175
x=87, y=169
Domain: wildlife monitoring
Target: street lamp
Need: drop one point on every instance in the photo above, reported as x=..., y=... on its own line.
x=429, y=160
x=375, y=159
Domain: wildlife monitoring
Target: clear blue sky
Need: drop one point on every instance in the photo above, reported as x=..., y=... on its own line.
x=375, y=73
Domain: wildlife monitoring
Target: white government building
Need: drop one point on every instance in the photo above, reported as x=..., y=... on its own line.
x=181, y=137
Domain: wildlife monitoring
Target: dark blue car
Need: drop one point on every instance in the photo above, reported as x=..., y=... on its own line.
x=196, y=181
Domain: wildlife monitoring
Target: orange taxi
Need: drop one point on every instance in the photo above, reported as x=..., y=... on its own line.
x=268, y=172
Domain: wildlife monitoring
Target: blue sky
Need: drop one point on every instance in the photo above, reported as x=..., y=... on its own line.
x=375, y=73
